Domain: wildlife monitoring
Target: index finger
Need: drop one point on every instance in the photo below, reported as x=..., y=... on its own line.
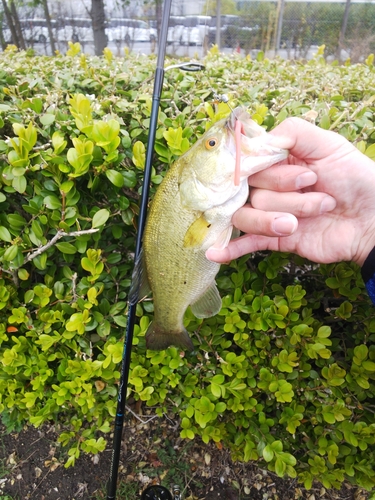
x=283, y=178
x=305, y=140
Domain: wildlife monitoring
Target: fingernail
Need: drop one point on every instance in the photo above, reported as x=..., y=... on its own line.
x=327, y=204
x=306, y=179
x=284, y=225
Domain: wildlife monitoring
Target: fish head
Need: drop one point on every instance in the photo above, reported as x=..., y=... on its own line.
x=207, y=176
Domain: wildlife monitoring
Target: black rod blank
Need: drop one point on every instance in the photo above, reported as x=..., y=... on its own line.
x=125, y=368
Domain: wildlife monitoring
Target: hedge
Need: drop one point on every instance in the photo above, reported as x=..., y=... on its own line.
x=284, y=375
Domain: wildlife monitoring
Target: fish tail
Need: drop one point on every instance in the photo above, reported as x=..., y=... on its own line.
x=158, y=339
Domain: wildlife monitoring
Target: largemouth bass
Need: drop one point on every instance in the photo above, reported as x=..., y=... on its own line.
x=192, y=211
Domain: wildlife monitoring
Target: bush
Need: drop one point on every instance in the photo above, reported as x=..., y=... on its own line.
x=284, y=374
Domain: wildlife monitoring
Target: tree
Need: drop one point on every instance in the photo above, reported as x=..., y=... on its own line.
x=343, y=28
x=97, y=15
x=13, y=22
x=49, y=25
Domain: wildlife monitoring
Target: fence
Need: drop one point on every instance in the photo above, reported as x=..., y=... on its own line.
x=289, y=28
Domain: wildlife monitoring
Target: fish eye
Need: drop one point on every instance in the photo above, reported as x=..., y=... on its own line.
x=211, y=143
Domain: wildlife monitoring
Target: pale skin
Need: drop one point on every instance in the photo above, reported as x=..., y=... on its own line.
x=319, y=203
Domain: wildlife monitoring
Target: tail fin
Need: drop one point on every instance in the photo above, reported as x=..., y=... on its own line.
x=158, y=339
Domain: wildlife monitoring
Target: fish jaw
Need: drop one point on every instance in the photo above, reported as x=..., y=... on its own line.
x=256, y=152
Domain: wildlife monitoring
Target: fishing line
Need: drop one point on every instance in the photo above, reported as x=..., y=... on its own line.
x=237, y=135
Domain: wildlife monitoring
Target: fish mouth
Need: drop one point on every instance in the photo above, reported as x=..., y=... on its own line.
x=249, y=128
x=249, y=145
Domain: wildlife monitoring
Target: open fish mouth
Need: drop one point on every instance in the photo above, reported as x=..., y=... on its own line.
x=248, y=141
x=249, y=127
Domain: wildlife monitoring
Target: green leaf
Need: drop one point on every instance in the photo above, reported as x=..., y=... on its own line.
x=139, y=155
x=23, y=274
x=268, y=453
x=115, y=177
x=216, y=390
x=100, y=218
x=52, y=202
x=370, y=152
x=5, y=234
x=280, y=467
x=66, y=247
x=47, y=119
x=10, y=253
x=58, y=142
x=368, y=366
x=19, y=184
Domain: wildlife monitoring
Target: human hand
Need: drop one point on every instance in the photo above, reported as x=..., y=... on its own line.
x=319, y=205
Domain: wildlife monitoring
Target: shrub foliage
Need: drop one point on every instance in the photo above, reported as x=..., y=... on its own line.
x=283, y=375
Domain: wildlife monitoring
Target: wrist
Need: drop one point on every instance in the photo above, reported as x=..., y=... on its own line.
x=368, y=267
x=366, y=243
x=368, y=274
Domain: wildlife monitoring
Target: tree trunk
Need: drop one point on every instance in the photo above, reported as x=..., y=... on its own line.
x=98, y=25
x=343, y=29
x=49, y=26
x=12, y=28
x=279, y=26
x=17, y=25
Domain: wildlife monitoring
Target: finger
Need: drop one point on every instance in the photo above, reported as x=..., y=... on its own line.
x=242, y=246
x=308, y=204
x=284, y=178
x=303, y=139
x=259, y=222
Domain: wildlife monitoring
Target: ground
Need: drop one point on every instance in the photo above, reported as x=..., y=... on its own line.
x=31, y=468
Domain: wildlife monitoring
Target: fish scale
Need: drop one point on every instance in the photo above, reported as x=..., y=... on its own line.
x=182, y=273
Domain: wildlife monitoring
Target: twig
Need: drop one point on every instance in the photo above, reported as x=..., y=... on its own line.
x=138, y=417
x=57, y=237
x=40, y=482
x=12, y=273
x=74, y=286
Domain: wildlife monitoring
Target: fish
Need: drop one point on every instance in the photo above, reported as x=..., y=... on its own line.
x=191, y=211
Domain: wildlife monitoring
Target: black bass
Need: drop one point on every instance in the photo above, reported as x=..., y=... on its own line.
x=192, y=211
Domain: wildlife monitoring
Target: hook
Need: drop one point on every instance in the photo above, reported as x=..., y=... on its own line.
x=222, y=98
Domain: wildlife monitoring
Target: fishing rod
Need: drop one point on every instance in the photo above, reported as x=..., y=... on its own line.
x=125, y=368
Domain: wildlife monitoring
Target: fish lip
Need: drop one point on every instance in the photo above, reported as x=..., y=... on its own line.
x=235, y=115
x=251, y=131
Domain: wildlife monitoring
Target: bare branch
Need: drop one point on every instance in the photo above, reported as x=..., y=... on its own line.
x=139, y=418
x=56, y=238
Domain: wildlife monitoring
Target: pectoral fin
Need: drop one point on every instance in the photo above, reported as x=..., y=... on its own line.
x=208, y=304
x=224, y=238
x=197, y=232
x=140, y=286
